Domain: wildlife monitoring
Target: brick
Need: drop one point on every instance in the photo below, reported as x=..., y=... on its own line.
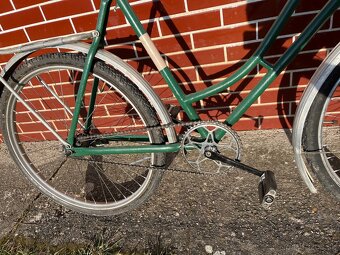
x=247, y=50
x=324, y=39
x=143, y=66
x=334, y=107
x=194, y=4
x=55, y=78
x=21, y=18
x=48, y=136
x=231, y=99
x=97, y=4
x=185, y=76
x=32, y=127
x=224, y=36
x=5, y=6
x=213, y=114
x=196, y=58
x=109, y=97
x=126, y=34
x=32, y=137
x=246, y=124
x=164, y=92
x=53, y=104
x=283, y=80
x=12, y=38
x=88, y=22
x=55, y=114
x=252, y=11
x=110, y=122
x=25, y=3
x=155, y=79
x=62, y=125
x=24, y=117
x=190, y=23
x=52, y=29
x=156, y=9
x=173, y=44
x=282, y=122
x=307, y=5
x=302, y=78
x=168, y=45
x=115, y=110
x=336, y=19
x=4, y=58
x=197, y=86
x=307, y=60
x=85, y=23
x=66, y=8
x=284, y=95
x=241, y=52
x=295, y=25
x=266, y=110
x=219, y=71
x=123, y=51
x=153, y=10
x=36, y=104
x=279, y=47
x=35, y=92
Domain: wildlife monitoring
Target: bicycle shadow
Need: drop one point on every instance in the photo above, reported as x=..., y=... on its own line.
x=181, y=76
x=287, y=95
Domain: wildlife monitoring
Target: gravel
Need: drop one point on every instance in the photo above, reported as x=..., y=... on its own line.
x=191, y=214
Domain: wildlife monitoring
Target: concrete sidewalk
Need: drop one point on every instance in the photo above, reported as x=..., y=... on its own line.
x=191, y=214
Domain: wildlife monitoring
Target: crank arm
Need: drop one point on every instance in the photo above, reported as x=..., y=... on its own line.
x=216, y=156
x=267, y=186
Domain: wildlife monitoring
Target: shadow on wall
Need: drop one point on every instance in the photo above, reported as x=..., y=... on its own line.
x=287, y=94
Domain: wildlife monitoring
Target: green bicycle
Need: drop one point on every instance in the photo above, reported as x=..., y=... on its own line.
x=106, y=138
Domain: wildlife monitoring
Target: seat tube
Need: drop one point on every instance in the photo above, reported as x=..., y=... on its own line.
x=88, y=66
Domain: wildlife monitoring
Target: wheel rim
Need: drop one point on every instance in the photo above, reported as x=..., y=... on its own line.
x=329, y=134
x=100, y=188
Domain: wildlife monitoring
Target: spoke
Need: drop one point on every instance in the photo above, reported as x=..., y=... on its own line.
x=140, y=160
x=114, y=184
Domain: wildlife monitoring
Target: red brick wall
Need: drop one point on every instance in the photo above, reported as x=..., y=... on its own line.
x=202, y=41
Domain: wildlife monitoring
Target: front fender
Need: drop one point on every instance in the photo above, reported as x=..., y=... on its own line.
x=118, y=64
x=319, y=77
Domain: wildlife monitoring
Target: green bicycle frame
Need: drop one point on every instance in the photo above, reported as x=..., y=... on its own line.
x=186, y=100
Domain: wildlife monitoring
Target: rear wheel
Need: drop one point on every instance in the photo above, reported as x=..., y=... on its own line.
x=98, y=184
x=322, y=134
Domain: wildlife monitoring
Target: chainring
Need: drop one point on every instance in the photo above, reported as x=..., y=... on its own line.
x=203, y=136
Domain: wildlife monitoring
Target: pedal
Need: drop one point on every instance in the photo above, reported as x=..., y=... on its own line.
x=267, y=189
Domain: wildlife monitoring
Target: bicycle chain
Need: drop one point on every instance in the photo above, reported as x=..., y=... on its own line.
x=159, y=127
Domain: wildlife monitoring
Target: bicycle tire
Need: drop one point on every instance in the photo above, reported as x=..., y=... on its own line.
x=92, y=184
x=322, y=132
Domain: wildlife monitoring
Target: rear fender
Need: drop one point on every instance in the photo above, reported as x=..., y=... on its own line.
x=118, y=64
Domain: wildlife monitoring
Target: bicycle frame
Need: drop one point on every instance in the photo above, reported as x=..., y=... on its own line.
x=186, y=100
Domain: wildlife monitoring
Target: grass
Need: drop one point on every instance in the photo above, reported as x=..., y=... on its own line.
x=27, y=246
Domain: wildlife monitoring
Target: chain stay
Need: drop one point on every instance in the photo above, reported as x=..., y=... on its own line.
x=165, y=126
